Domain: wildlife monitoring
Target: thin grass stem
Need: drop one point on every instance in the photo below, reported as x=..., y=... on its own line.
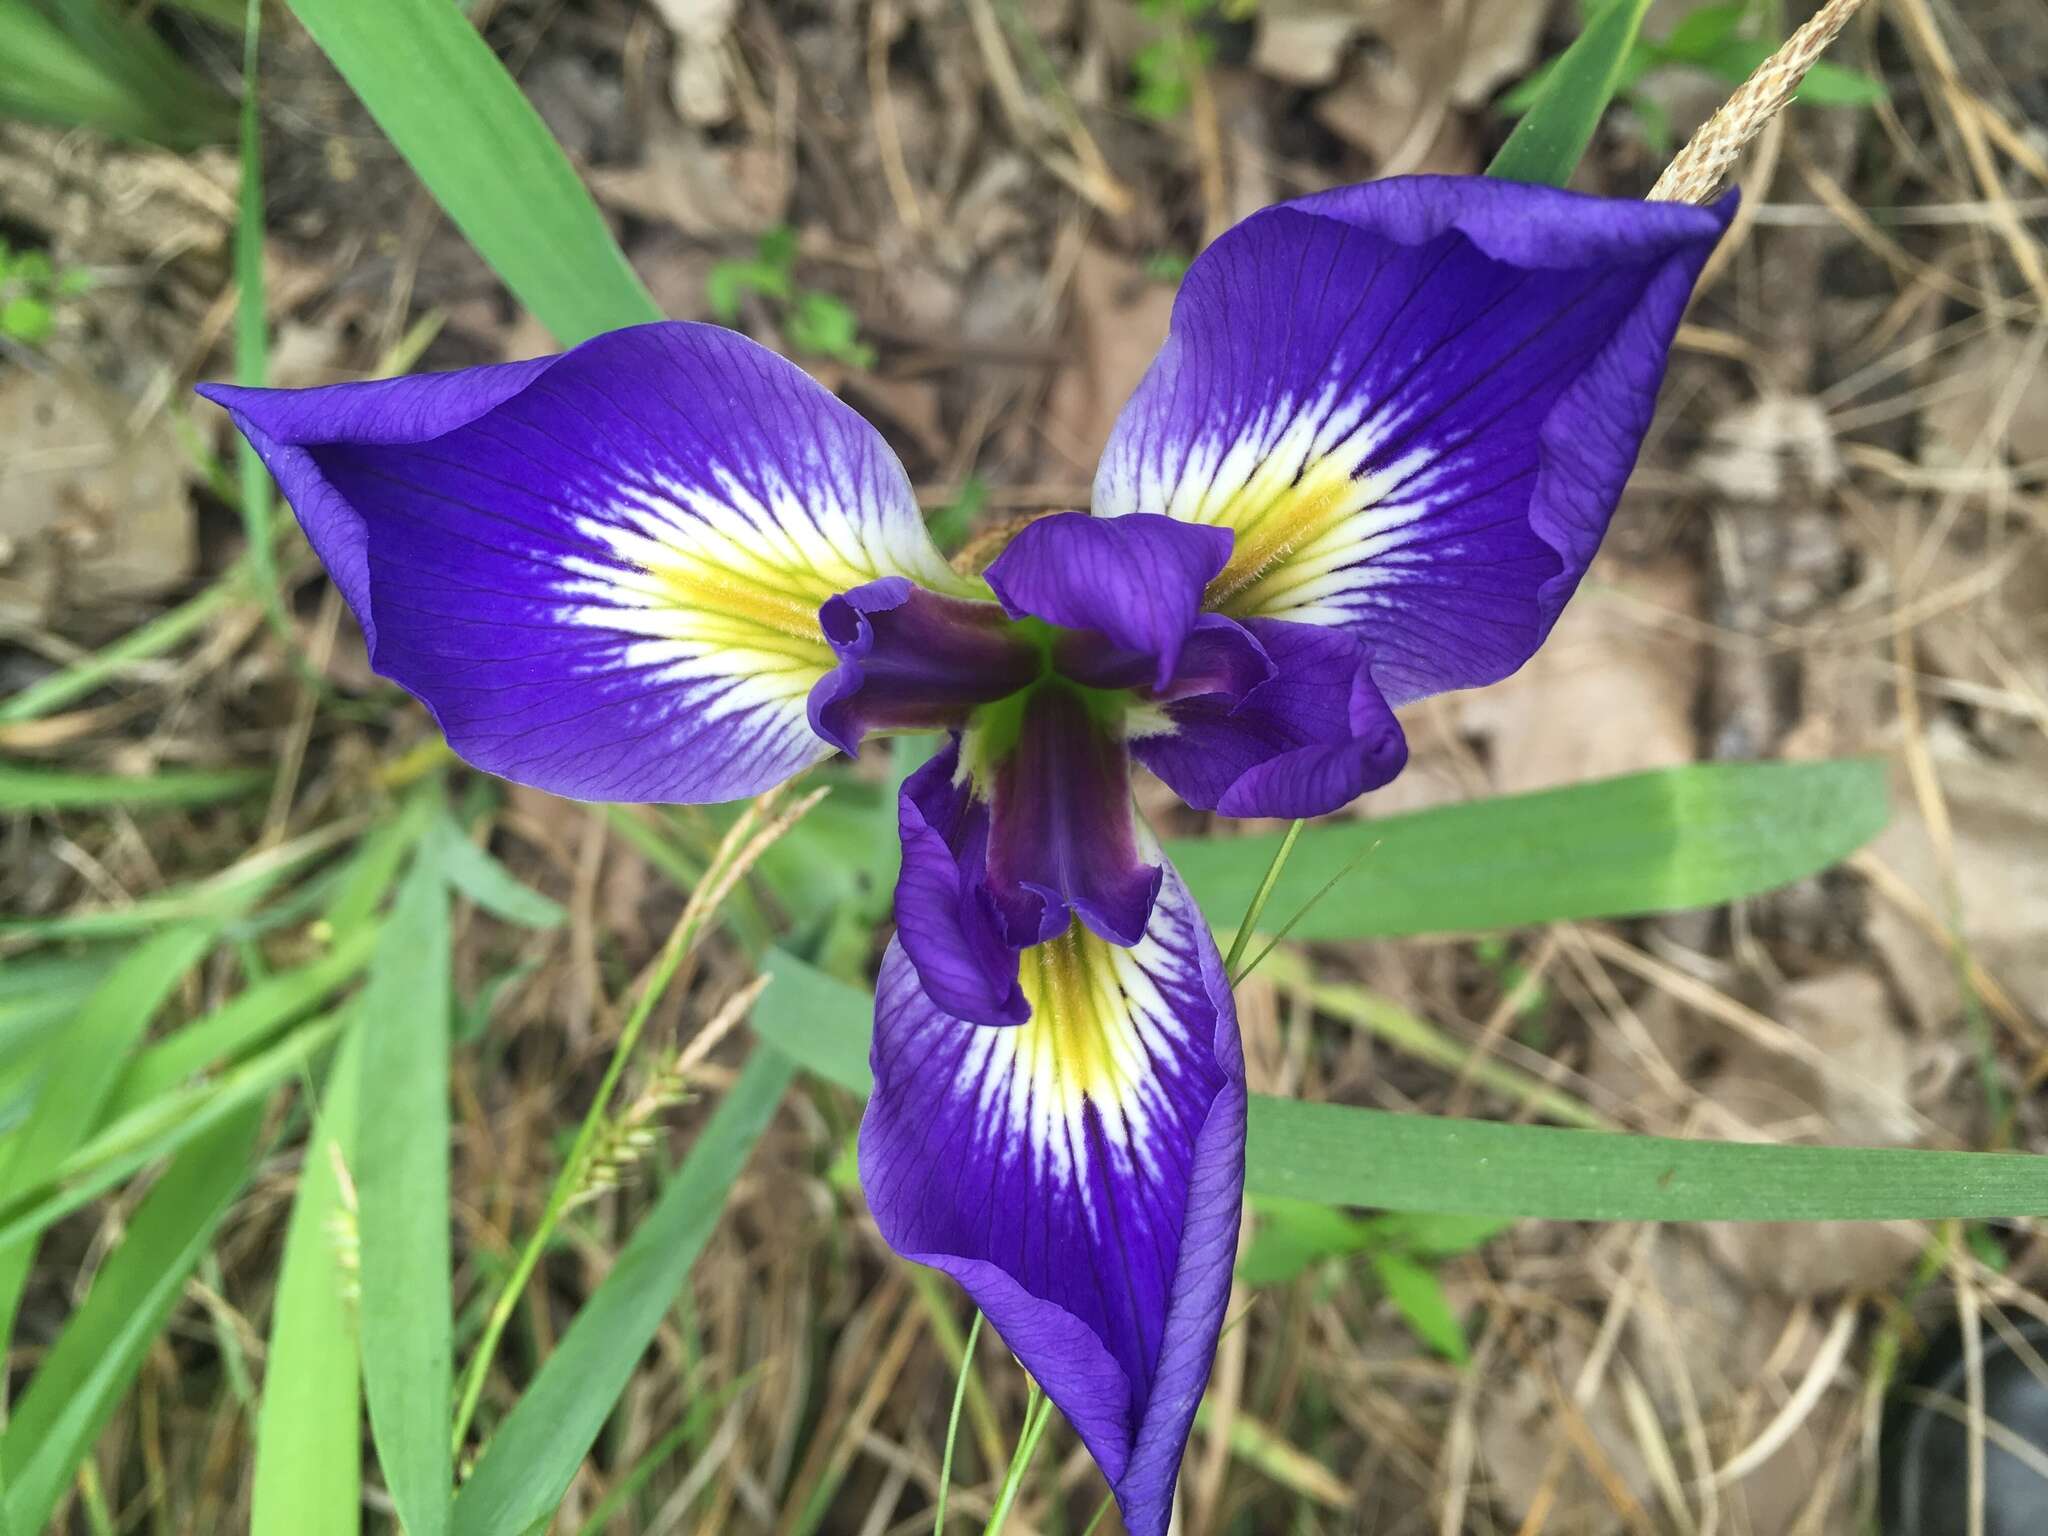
x=953, y=1425
x=1260, y=898
x=1037, y=1414
x=1306, y=907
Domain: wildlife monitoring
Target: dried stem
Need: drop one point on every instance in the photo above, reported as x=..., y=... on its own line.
x=1700, y=168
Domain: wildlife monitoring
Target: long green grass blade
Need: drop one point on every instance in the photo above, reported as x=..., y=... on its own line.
x=307, y=1479
x=402, y=1185
x=531, y=1458
x=100, y=1350
x=88, y=65
x=1345, y=1156
x=46, y=789
x=446, y=102
x=1650, y=842
x=84, y=1064
x=1553, y=134
x=236, y=1026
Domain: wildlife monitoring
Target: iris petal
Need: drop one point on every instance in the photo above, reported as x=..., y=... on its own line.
x=1081, y=1175
x=1415, y=403
x=912, y=659
x=602, y=571
x=1136, y=583
x=1311, y=738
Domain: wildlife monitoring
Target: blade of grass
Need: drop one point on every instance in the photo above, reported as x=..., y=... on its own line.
x=1649, y=842
x=402, y=1177
x=234, y=1027
x=156, y=1132
x=83, y=1068
x=1340, y=1155
x=100, y=1350
x=1549, y=140
x=534, y=1453
x=953, y=1426
x=48, y=789
x=307, y=1477
x=459, y=119
x=252, y=337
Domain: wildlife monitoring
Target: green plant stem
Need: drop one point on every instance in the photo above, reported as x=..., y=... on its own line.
x=569, y=1181
x=159, y=634
x=1037, y=1414
x=1259, y=900
x=953, y=1425
x=1101, y=1510
x=1306, y=907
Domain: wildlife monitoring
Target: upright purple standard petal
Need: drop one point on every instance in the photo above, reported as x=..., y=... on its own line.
x=1415, y=403
x=1137, y=583
x=602, y=571
x=1009, y=835
x=1081, y=1175
x=1064, y=841
x=1313, y=737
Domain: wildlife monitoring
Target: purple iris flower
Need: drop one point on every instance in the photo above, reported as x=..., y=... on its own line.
x=1378, y=451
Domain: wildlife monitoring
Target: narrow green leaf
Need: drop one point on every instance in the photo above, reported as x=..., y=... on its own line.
x=100, y=1350
x=84, y=1064
x=1338, y=1155
x=1346, y=1156
x=250, y=1018
x=1650, y=842
x=490, y=884
x=1548, y=141
x=446, y=102
x=1419, y=1297
x=402, y=1186
x=533, y=1455
x=307, y=1479
x=49, y=789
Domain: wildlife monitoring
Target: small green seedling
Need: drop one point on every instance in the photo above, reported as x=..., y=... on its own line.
x=1401, y=1247
x=815, y=323
x=31, y=291
x=1721, y=40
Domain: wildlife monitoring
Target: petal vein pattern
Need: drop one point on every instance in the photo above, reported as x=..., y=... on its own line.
x=1415, y=403
x=607, y=583
x=1081, y=1174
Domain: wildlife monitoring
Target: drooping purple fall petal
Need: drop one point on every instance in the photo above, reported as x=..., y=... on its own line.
x=1081, y=1175
x=912, y=659
x=1136, y=582
x=602, y=571
x=1415, y=403
x=1314, y=737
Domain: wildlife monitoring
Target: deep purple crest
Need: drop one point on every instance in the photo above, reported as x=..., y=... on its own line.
x=1374, y=459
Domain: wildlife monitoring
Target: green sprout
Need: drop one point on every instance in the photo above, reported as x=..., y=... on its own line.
x=31, y=290
x=816, y=323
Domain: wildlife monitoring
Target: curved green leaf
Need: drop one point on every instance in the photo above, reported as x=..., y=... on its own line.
x=1553, y=134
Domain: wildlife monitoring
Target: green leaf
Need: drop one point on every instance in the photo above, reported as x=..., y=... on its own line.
x=1703, y=30
x=307, y=1478
x=1337, y=1155
x=1419, y=1297
x=445, y=101
x=1650, y=842
x=27, y=319
x=1293, y=1234
x=235, y=1026
x=100, y=1350
x=533, y=1455
x=490, y=884
x=84, y=1064
x=1435, y=1234
x=1826, y=84
x=1554, y=132
x=47, y=789
x=87, y=65
x=402, y=1187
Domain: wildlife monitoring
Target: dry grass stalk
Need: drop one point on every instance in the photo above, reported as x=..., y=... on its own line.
x=1700, y=168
